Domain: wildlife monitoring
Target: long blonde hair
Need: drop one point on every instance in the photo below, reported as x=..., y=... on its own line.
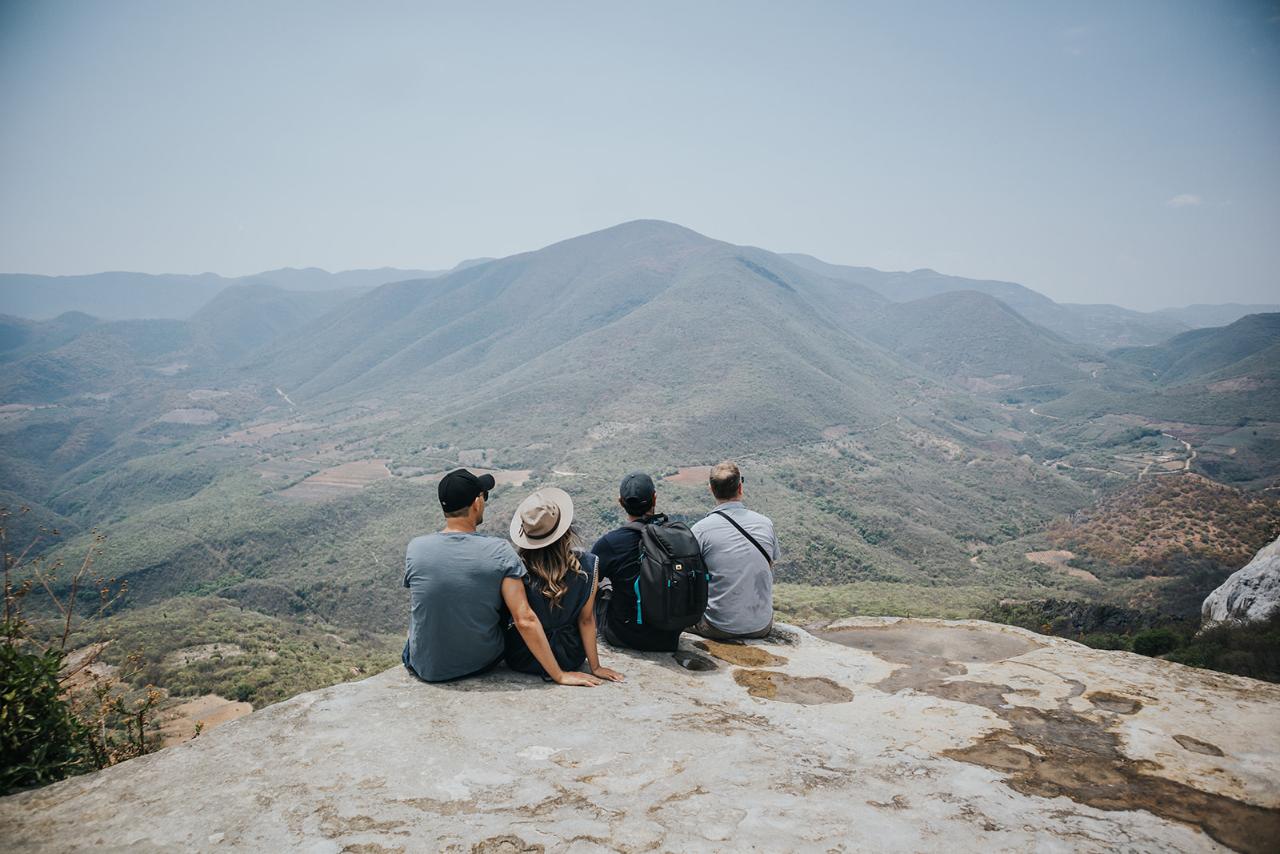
x=552, y=563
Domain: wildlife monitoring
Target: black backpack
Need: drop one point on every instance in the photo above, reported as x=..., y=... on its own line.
x=671, y=587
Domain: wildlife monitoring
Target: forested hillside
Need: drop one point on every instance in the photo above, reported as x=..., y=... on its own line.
x=271, y=454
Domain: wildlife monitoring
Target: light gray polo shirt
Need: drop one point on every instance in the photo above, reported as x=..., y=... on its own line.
x=740, y=596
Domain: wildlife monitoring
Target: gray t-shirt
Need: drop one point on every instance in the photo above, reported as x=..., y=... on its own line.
x=740, y=595
x=455, y=584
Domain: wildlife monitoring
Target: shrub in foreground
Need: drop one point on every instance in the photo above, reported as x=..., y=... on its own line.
x=40, y=739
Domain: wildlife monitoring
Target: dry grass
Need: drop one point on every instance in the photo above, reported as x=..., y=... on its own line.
x=1155, y=521
x=690, y=476
x=259, y=432
x=339, y=480
x=1057, y=559
x=180, y=723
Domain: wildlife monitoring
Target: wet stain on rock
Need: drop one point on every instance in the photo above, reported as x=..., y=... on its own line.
x=1056, y=752
x=931, y=653
x=785, y=688
x=692, y=661
x=507, y=844
x=1195, y=745
x=1117, y=703
x=1059, y=753
x=985, y=694
x=741, y=654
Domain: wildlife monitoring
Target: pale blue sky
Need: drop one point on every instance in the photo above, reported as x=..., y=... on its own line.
x=1118, y=152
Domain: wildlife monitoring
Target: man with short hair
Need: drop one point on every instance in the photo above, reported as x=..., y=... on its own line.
x=459, y=582
x=617, y=609
x=739, y=548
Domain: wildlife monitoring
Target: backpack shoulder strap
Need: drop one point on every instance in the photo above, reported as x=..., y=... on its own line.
x=744, y=533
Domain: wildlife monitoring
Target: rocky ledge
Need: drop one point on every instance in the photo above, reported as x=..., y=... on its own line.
x=1251, y=593
x=904, y=735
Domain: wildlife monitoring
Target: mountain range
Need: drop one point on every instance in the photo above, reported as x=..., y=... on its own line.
x=913, y=435
x=1103, y=326
x=127, y=296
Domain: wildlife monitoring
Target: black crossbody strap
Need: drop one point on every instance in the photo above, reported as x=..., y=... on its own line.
x=744, y=533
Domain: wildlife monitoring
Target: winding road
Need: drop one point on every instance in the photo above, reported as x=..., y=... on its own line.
x=1192, y=453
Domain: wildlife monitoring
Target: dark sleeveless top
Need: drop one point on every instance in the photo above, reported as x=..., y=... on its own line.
x=560, y=623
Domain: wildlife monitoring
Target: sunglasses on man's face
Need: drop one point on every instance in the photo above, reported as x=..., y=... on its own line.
x=485, y=495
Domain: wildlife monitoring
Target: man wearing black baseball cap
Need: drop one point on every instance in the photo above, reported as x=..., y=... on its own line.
x=619, y=553
x=459, y=582
x=460, y=488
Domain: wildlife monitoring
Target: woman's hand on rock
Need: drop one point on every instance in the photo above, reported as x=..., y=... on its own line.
x=607, y=673
x=574, y=677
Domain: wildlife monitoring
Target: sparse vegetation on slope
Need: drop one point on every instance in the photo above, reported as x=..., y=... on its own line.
x=1160, y=523
x=910, y=454
x=204, y=645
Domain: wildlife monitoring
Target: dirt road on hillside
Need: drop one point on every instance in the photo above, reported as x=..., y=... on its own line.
x=1192, y=453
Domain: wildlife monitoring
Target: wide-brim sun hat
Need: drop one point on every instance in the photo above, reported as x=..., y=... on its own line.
x=542, y=518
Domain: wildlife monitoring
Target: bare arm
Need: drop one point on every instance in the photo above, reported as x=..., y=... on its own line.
x=587, y=629
x=530, y=628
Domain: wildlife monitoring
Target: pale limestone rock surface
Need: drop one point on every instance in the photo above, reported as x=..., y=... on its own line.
x=902, y=735
x=1250, y=593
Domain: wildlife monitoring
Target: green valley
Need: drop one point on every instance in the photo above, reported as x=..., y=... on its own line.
x=258, y=466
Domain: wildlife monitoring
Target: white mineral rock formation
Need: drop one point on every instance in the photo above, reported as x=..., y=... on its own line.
x=887, y=735
x=1251, y=593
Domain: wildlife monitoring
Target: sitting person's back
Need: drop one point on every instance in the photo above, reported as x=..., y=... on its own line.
x=559, y=618
x=619, y=614
x=455, y=583
x=455, y=579
x=739, y=547
x=560, y=586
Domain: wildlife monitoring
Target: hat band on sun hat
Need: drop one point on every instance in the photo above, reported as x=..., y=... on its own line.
x=546, y=521
x=531, y=536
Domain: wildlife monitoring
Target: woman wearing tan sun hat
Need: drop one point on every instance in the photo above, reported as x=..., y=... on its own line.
x=561, y=585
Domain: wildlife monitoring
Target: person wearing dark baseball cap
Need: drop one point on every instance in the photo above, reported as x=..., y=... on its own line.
x=619, y=555
x=459, y=581
x=460, y=488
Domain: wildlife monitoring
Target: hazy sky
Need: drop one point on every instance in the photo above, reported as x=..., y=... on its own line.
x=1117, y=152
